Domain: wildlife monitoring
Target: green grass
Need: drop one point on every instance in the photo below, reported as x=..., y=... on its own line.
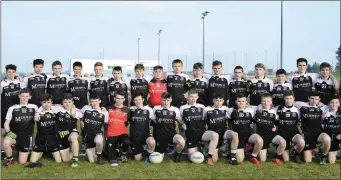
x=170, y=170
x=337, y=74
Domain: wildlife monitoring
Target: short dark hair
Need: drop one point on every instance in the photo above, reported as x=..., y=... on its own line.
x=117, y=68
x=67, y=96
x=241, y=95
x=198, y=66
x=137, y=94
x=335, y=97
x=98, y=64
x=301, y=60
x=266, y=95
x=38, y=62
x=11, y=67
x=157, y=68
x=325, y=65
x=216, y=63
x=95, y=97
x=25, y=90
x=281, y=71
x=314, y=93
x=46, y=97
x=218, y=96
x=166, y=95
x=288, y=93
x=193, y=91
x=239, y=67
x=57, y=62
x=177, y=61
x=139, y=66
x=77, y=64
x=120, y=92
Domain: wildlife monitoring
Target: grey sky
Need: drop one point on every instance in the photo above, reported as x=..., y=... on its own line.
x=64, y=30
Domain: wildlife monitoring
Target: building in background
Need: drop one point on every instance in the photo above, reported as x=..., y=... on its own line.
x=109, y=64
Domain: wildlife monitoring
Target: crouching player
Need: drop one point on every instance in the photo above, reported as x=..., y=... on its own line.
x=311, y=116
x=46, y=139
x=288, y=123
x=215, y=118
x=139, y=120
x=331, y=125
x=265, y=120
x=117, y=131
x=193, y=116
x=241, y=132
x=165, y=120
x=94, y=118
x=67, y=117
x=19, y=126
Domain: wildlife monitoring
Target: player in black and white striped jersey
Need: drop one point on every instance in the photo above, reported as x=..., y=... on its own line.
x=116, y=83
x=198, y=82
x=238, y=85
x=280, y=87
x=10, y=88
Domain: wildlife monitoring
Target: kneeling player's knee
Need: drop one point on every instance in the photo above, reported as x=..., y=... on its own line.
x=151, y=142
x=326, y=140
x=215, y=136
x=282, y=143
x=181, y=141
x=74, y=138
x=259, y=141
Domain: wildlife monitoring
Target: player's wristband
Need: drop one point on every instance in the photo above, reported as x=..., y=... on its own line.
x=11, y=135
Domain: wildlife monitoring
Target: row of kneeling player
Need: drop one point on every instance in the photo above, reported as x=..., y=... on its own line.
x=295, y=126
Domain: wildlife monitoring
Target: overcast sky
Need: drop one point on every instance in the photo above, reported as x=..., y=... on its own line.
x=64, y=30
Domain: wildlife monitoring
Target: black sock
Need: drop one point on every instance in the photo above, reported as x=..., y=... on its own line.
x=209, y=156
x=123, y=153
x=323, y=155
x=9, y=158
x=76, y=158
x=99, y=155
x=278, y=156
x=148, y=153
x=177, y=154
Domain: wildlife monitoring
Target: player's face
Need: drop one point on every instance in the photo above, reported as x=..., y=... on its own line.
x=218, y=102
x=267, y=102
x=95, y=103
x=24, y=97
x=325, y=72
x=166, y=102
x=241, y=102
x=238, y=73
x=314, y=100
x=11, y=73
x=139, y=72
x=197, y=72
x=177, y=67
x=192, y=98
x=281, y=78
x=289, y=100
x=302, y=67
x=57, y=69
x=77, y=70
x=138, y=101
x=68, y=103
x=259, y=72
x=119, y=99
x=38, y=68
x=46, y=104
x=158, y=74
x=334, y=104
x=117, y=75
x=98, y=70
x=217, y=69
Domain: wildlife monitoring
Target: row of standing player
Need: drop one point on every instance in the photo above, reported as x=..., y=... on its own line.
x=285, y=126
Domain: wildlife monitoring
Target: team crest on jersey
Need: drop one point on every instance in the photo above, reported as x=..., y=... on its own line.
x=287, y=114
x=171, y=113
x=164, y=113
x=279, y=88
x=199, y=109
x=48, y=115
x=67, y=115
x=193, y=110
x=259, y=84
x=241, y=114
x=271, y=115
x=24, y=110
x=311, y=109
x=247, y=114
x=217, y=112
x=301, y=78
x=293, y=114
x=265, y=113
x=30, y=110
x=38, y=79
x=117, y=86
x=144, y=111
x=181, y=78
x=101, y=115
x=265, y=85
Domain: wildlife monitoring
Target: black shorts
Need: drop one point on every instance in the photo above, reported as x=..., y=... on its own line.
x=23, y=142
x=194, y=141
x=267, y=139
x=335, y=143
x=64, y=142
x=46, y=144
x=288, y=138
x=89, y=140
x=243, y=139
x=137, y=144
x=310, y=141
x=162, y=143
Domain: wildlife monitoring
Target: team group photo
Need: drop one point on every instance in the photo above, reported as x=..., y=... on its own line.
x=171, y=118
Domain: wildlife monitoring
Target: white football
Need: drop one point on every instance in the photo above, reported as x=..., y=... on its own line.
x=197, y=157
x=155, y=157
